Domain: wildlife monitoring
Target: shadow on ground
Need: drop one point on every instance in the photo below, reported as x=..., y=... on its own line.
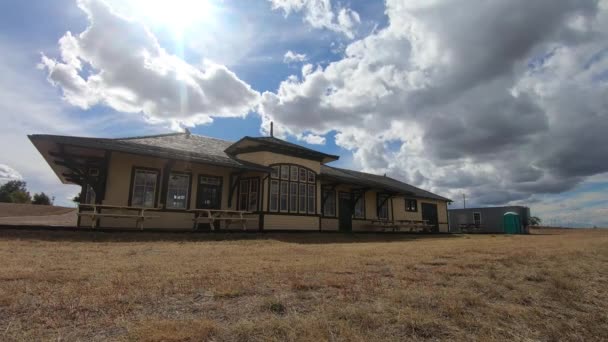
x=80, y=235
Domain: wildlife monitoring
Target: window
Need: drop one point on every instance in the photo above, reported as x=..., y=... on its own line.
x=293, y=196
x=90, y=195
x=275, y=172
x=248, y=194
x=302, y=198
x=359, y=211
x=253, y=194
x=292, y=189
x=311, y=198
x=284, y=195
x=144, y=188
x=477, y=219
x=284, y=171
x=329, y=206
x=178, y=190
x=294, y=174
x=382, y=205
x=274, y=195
x=311, y=177
x=411, y=205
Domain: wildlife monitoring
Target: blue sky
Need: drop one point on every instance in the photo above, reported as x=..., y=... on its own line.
x=453, y=97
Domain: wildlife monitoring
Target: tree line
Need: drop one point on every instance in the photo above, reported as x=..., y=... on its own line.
x=15, y=191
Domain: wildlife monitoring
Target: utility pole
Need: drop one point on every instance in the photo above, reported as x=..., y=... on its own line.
x=464, y=201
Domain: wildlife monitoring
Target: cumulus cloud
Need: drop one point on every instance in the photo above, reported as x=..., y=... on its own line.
x=321, y=14
x=498, y=99
x=293, y=57
x=313, y=139
x=119, y=63
x=7, y=173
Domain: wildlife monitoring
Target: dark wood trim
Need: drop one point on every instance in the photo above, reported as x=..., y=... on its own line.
x=392, y=210
x=324, y=198
x=278, y=150
x=361, y=192
x=233, y=184
x=261, y=222
x=165, y=181
x=156, y=192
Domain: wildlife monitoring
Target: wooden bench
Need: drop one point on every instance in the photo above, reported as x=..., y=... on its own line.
x=213, y=216
x=97, y=213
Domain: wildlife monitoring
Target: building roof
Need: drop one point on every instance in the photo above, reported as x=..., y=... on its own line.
x=180, y=146
x=252, y=144
x=376, y=181
x=206, y=150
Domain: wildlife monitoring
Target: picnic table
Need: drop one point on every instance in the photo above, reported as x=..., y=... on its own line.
x=422, y=225
x=396, y=225
x=213, y=216
x=123, y=212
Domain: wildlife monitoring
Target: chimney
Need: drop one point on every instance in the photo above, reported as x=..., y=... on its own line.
x=187, y=131
x=271, y=129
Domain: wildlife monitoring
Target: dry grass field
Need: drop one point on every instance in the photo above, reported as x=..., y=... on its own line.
x=68, y=286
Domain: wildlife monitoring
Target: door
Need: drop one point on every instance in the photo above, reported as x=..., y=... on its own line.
x=429, y=213
x=345, y=212
x=208, y=196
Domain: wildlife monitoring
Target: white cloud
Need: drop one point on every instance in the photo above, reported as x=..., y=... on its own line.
x=313, y=139
x=7, y=173
x=321, y=14
x=291, y=57
x=129, y=72
x=458, y=97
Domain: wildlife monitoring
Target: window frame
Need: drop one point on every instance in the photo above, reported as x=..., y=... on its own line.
x=270, y=194
x=408, y=208
x=333, y=196
x=188, y=194
x=134, y=170
x=360, y=200
x=304, y=180
x=380, y=195
x=474, y=220
x=249, y=181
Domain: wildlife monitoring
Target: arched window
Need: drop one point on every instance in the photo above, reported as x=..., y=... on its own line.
x=292, y=189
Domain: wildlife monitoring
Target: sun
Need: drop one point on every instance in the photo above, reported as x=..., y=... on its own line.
x=176, y=15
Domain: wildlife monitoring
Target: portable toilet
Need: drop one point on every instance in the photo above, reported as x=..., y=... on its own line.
x=511, y=223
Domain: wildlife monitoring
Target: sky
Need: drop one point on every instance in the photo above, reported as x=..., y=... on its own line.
x=504, y=102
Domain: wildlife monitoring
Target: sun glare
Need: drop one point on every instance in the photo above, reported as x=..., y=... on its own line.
x=176, y=15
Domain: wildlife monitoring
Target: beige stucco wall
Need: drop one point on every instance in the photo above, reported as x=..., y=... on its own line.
x=119, y=185
x=122, y=164
x=290, y=222
x=269, y=158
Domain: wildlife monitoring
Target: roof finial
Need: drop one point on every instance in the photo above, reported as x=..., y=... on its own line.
x=271, y=129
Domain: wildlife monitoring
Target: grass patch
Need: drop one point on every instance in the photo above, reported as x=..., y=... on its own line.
x=306, y=287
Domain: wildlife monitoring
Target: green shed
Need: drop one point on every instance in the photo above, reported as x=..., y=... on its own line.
x=511, y=223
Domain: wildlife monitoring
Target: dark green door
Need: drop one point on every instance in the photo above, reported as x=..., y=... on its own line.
x=345, y=209
x=429, y=213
